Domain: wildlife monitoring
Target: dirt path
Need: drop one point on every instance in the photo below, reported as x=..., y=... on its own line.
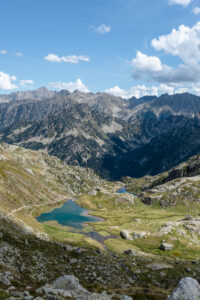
x=33, y=205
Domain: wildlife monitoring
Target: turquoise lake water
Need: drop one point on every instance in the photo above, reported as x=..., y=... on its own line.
x=122, y=190
x=70, y=214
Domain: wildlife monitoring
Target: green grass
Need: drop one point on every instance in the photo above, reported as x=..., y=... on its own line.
x=77, y=239
x=140, y=217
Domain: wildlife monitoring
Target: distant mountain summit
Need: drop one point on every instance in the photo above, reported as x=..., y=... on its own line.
x=39, y=94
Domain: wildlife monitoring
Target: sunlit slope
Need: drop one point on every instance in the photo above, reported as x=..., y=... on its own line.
x=30, y=180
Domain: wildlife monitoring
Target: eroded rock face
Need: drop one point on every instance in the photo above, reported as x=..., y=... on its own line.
x=187, y=289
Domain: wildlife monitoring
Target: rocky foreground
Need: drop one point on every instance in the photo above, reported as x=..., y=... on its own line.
x=32, y=268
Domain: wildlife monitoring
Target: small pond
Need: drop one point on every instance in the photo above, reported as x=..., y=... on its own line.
x=122, y=190
x=70, y=214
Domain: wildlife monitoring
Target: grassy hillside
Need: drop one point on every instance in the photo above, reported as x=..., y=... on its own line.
x=31, y=182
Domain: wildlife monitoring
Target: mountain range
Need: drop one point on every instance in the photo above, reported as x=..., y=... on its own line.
x=116, y=137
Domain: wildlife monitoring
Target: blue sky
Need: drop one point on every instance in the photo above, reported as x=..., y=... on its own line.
x=124, y=47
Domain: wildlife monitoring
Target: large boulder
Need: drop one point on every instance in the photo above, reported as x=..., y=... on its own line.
x=92, y=193
x=65, y=286
x=166, y=246
x=125, y=234
x=68, y=286
x=187, y=289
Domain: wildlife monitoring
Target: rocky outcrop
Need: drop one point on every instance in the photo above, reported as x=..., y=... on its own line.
x=69, y=286
x=125, y=234
x=128, y=235
x=187, y=289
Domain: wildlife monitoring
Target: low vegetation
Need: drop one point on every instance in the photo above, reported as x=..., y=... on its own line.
x=33, y=182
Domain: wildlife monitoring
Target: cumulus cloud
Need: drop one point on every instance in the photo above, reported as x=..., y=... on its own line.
x=74, y=59
x=196, y=89
x=196, y=10
x=151, y=68
x=181, y=2
x=26, y=82
x=184, y=43
x=140, y=91
x=6, y=81
x=70, y=86
x=3, y=52
x=19, y=54
x=102, y=29
x=182, y=90
x=146, y=63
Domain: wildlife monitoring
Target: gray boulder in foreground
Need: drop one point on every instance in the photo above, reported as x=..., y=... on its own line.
x=187, y=289
x=69, y=286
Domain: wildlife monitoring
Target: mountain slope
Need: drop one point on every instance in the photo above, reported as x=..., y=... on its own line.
x=178, y=186
x=114, y=136
x=31, y=180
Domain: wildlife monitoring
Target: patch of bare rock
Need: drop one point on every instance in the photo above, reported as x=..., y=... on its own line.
x=69, y=286
x=187, y=289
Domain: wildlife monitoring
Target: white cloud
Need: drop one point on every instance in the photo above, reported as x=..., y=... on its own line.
x=151, y=68
x=74, y=59
x=70, y=86
x=182, y=90
x=181, y=2
x=6, y=81
x=183, y=42
x=196, y=10
x=102, y=29
x=3, y=51
x=26, y=82
x=19, y=54
x=146, y=63
x=140, y=91
x=196, y=89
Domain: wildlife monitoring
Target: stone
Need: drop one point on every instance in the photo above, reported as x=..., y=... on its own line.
x=156, y=266
x=73, y=260
x=67, y=286
x=125, y=234
x=166, y=246
x=139, y=235
x=92, y=193
x=102, y=296
x=187, y=289
x=188, y=218
x=130, y=252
